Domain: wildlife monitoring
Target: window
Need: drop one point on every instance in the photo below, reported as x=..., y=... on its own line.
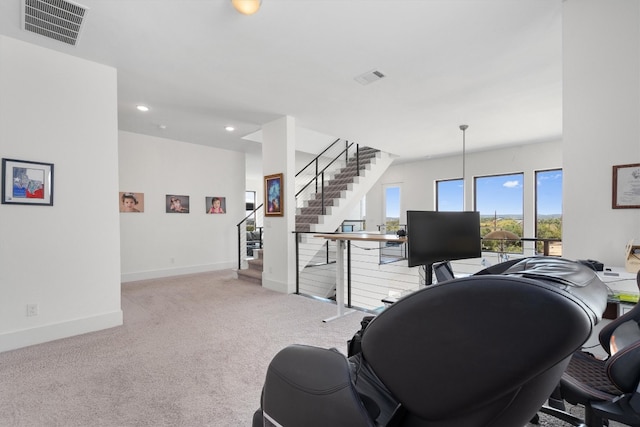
x=549, y=211
x=250, y=200
x=250, y=205
x=450, y=195
x=392, y=208
x=500, y=201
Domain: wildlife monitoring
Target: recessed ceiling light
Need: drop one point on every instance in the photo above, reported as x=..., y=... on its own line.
x=142, y=108
x=229, y=128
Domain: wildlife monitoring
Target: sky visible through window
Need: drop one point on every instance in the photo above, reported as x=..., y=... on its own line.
x=500, y=194
x=392, y=199
x=549, y=192
x=450, y=195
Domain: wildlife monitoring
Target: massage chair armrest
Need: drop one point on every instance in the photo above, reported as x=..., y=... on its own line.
x=312, y=386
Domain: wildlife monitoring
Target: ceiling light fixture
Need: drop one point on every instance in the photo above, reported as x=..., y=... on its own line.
x=246, y=7
x=142, y=108
x=229, y=128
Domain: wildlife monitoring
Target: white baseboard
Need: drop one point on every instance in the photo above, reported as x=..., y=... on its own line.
x=45, y=333
x=278, y=286
x=178, y=271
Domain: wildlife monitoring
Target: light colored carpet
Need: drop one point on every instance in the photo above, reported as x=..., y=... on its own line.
x=193, y=351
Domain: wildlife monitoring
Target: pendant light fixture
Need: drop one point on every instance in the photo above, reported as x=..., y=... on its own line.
x=246, y=7
x=463, y=128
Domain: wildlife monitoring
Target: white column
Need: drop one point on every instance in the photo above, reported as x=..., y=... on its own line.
x=278, y=156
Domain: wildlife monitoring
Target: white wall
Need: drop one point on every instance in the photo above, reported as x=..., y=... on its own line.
x=601, y=103
x=417, y=179
x=158, y=244
x=59, y=109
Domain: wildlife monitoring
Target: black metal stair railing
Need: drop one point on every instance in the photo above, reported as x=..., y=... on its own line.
x=320, y=166
x=327, y=183
x=310, y=181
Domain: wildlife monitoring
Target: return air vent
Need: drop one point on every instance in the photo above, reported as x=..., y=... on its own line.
x=370, y=77
x=57, y=19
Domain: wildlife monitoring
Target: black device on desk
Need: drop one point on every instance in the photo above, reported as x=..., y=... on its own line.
x=593, y=264
x=443, y=271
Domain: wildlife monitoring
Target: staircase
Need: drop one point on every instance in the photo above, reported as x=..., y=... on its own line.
x=254, y=272
x=342, y=194
x=325, y=211
x=340, y=187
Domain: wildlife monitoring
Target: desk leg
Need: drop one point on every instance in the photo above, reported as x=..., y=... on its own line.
x=339, y=283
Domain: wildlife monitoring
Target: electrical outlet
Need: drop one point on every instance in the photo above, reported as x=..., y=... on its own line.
x=32, y=309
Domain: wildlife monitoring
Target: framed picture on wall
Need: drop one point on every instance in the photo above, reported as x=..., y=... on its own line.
x=273, y=195
x=216, y=205
x=131, y=202
x=626, y=186
x=177, y=204
x=27, y=183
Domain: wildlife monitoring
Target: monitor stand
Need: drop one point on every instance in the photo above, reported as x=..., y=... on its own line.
x=426, y=275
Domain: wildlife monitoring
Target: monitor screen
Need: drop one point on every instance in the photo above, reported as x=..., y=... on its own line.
x=442, y=236
x=443, y=271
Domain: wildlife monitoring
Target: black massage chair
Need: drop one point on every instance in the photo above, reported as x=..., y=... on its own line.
x=485, y=350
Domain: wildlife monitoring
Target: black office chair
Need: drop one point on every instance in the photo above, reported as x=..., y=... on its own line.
x=609, y=389
x=476, y=351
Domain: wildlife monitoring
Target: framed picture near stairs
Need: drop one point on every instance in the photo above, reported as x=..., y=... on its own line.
x=273, y=195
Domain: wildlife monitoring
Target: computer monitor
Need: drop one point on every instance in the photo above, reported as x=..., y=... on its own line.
x=434, y=236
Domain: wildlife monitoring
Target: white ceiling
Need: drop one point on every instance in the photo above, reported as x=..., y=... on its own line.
x=495, y=65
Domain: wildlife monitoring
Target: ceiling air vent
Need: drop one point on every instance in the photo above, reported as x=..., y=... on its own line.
x=370, y=77
x=57, y=19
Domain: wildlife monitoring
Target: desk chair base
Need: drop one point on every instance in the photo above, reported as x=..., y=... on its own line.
x=619, y=409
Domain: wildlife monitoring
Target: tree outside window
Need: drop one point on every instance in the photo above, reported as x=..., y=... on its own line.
x=392, y=208
x=500, y=201
x=549, y=211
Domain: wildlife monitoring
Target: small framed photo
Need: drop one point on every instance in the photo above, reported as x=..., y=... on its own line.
x=27, y=183
x=216, y=205
x=131, y=202
x=626, y=186
x=273, y=195
x=177, y=204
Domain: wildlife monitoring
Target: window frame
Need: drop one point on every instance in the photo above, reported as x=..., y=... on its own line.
x=437, y=192
x=519, y=244
x=535, y=208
